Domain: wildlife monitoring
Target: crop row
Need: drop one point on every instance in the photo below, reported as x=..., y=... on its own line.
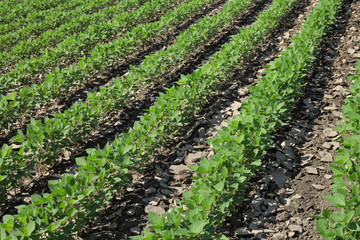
x=73, y=36
x=75, y=198
x=49, y=39
x=36, y=17
x=60, y=81
x=83, y=42
x=220, y=181
x=52, y=19
x=9, y=12
x=46, y=141
x=345, y=224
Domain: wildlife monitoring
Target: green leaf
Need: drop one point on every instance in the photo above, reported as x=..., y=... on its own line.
x=156, y=220
x=71, y=212
x=173, y=219
x=338, y=217
x=53, y=226
x=69, y=190
x=2, y=233
x=81, y=161
x=126, y=148
x=337, y=199
x=29, y=228
x=8, y=223
x=342, y=158
x=326, y=213
x=197, y=226
x=221, y=237
x=322, y=225
x=339, y=171
x=220, y=186
x=37, y=199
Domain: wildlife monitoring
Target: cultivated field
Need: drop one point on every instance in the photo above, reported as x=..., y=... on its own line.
x=180, y=119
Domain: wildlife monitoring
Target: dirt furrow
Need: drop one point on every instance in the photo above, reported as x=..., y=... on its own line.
x=117, y=69
x=120, y=121
x=297, y=174
x=164, y=180
x=110, y=125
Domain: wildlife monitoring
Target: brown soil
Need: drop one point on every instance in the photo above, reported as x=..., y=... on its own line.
x=116, y=69
x=121, y=121
x=167, y=176
x=297, y=173
x=281, y=198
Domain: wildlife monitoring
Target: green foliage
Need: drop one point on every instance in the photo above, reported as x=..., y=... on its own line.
x=346, y=188
x=10, y=11
x=37, y=22
x=44, y=142
x=103, y=171
x=75, y=199
x=75, y=44
x=220, y=181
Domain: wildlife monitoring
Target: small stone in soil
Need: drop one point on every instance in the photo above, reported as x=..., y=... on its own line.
x=318, y=186
x=192, y=158
x=327, y=145
x=157, y=210
x=329, y=132
x=295, y=228
x=311, y=170
x=163, y=184
x=279, y=236
x=243, y=231
x=307, y=157
x=159, y=171
x=325, y=157
x=283, y=216
x=253, y=226
x=150, y=190
x=270, y=211
x=149, y=199
x=291, y=234
x=178, y=160
x=295, y=220
x=119, y=212
x=166, y=192
x=288, y=165
x=113, y=225
x=181, y=172
x=327, y=176
x=296, y=196
x=130, y=212
x=280, y=156
x=289, y=191
x=351, y=51
x=279, y=177
x=135, y=230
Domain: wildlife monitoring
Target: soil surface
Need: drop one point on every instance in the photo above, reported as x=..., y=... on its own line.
x=297, y=173
x=282, y=197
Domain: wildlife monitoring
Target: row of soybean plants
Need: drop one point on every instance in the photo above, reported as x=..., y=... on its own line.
x=52, y=18
x=37, y=16
x=74, y=199
x=10, y=11
x=32, y=16
x=44, y=142
x=59, y=81
x=49, y=39
x=345, y=224
x=76, y=42
x=220, y=181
